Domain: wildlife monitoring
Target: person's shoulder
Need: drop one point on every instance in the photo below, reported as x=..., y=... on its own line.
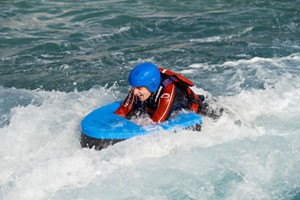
x=169, y=90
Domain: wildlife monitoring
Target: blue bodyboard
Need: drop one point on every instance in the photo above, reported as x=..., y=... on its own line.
x=102, y=123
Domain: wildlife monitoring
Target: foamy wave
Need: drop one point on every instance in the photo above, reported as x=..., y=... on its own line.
x=280, y=62
x=42, y=141
x=220, y=38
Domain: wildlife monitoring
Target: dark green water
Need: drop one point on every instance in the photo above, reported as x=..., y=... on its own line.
x=54, y=44
x=61, y=59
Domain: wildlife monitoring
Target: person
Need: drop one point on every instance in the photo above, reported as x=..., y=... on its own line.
x=159, y=92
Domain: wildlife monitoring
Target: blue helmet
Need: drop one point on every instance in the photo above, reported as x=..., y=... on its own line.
x=145, y=74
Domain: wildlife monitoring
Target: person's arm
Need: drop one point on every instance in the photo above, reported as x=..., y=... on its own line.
x=165, y=103
x=127, y=105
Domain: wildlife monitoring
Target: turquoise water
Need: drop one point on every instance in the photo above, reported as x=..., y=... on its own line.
x=61, y=59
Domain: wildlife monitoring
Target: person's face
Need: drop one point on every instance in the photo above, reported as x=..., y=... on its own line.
x=141, y=92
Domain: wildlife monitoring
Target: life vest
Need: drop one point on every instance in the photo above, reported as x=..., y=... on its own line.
x=184, y=82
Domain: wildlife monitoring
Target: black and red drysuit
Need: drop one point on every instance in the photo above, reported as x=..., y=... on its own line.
x=173, y=93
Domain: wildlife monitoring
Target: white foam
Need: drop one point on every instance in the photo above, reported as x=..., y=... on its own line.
x=248, y=152
x=41, y=151
x=221, y=38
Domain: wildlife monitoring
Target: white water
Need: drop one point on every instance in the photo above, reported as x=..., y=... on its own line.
x=252, y=152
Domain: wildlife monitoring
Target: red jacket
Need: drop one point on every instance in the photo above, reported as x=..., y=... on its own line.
x=173, y=94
